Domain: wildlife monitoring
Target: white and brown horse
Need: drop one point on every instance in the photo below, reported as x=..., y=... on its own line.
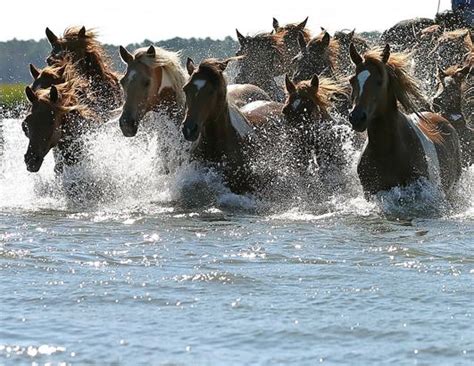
x=401, y=148
x=222, y=135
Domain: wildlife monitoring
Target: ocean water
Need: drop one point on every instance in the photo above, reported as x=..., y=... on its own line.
x=173, y=269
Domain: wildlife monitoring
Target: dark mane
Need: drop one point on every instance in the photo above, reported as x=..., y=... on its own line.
x=97, y=61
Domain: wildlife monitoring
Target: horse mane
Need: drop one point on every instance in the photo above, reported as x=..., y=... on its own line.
x=292, y=26
x=332, y=49
x=273, y=41
x=323, y=97
x=457, y=34
x=98, y=57
x=403, y=83
x=68, y=100
x=170, y=62
x=68, y=68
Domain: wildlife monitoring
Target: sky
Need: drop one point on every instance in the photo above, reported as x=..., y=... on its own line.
x=133, y=21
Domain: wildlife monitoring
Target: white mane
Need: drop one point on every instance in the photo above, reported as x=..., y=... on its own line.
x=171, y=64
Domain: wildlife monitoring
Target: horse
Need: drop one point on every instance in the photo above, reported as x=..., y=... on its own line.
x=318, y=56
x=154, y=81
x=344, y=66
x=261, y=60
x=56, y=120
x=454, y=101
x=59, y=73
x=311, y=128
x=452, y=48
x=403, y=35
x=82, y=47
x=222, y=135
x=401, y=148
x=290, y=33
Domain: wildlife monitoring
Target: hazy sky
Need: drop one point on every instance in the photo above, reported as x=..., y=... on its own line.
x=133, y=21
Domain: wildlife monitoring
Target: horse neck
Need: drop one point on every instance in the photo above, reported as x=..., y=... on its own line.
x=384, y=128
x=167, y=95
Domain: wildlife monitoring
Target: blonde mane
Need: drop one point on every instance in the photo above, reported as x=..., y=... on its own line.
x=170, y=62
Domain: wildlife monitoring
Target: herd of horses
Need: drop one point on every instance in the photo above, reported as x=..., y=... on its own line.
x=378, y=88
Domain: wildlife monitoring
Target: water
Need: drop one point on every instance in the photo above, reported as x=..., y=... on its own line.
x=175, y=269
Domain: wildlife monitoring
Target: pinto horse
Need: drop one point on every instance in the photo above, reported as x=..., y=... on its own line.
x=222, y=135
x=401, y=148
x=83, y=49
x=454, y=101
x=310, y=126
x=56, y=121
x=153, y=82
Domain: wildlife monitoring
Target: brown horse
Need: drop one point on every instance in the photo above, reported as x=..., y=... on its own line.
x=153, y=82
x=290, y=34
x=319, y=56
x=310, y=127
x=221, y=134
x=401, y=148
x=454, y=101
x=56, y=120
x=52, y=75
x=82, y=47
x=261, y=59
x=452, y=48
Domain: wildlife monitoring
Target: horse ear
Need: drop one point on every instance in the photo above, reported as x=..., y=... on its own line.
x=326, y=39
x=126, y=56
x=34, y=71
x=31, y=95
x=223, y=64
x=464, y=71
x=323, y=29
x=276, y=25
x=301, y=41
x=355, y=57
x=53, y=94
x=290, y=87
x=51, y=36
x=240, y=37
x=315, y=81
x=386, y=53
x=151, y=51
x=302, y=25
x=351, y=33
x=441, y=73
x=82, y=32
x=190, y=66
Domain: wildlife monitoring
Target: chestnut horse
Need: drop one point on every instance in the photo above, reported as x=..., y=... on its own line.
x=307, y=111
x=290, y=34
x=401, y=148
x=261, y=61
x=82, y=47
x=154, y=81
x=454, y=100
x=56, y=121
x=222, y=135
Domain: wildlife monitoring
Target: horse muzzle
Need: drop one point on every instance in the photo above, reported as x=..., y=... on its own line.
x=33, y=162
x=358, y=119
x=128, y=126
x=190, y=131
